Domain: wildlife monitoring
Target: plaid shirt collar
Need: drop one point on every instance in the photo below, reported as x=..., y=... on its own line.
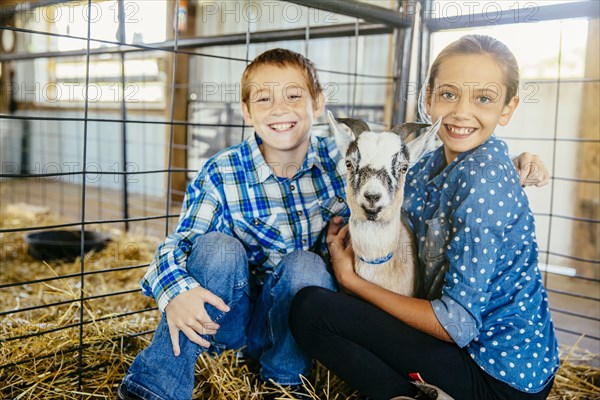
x=258, y=170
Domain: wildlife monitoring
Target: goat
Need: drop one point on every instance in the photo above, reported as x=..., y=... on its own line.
x=377, y=162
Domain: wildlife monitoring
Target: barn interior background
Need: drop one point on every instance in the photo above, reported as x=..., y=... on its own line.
x=107, y=111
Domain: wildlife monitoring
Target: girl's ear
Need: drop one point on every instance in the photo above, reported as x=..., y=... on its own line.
x=246, y=114
x=508, y=111
x=428, y=101
x=319, y=105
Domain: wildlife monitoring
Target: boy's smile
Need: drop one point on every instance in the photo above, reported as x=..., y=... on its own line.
x=281, y=110
x=282, y=127
x=470, y=96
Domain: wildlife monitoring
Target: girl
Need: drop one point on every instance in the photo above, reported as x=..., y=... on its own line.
x=483, y=330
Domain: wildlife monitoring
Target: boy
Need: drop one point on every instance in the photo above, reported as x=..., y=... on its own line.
x=226, y=277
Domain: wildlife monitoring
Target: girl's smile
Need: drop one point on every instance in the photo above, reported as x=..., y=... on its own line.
x=459, y=132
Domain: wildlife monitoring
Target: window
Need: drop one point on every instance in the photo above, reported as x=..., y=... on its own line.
x=60, y=81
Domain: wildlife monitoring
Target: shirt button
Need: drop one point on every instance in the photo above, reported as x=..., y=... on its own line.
x=256, y=222
x=292, y=187
x=340, y=199
x=298, y=213
x=303, y=241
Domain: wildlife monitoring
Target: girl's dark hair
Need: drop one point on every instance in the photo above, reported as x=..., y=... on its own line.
x=481, y=45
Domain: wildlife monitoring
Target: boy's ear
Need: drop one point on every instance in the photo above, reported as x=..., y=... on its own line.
x=508, y=111
x=319, y=105
x=246, y=114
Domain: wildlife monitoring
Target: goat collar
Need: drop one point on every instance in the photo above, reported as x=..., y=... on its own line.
x=379, y=260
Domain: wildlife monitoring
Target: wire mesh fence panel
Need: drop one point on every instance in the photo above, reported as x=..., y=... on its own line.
x=107, y=112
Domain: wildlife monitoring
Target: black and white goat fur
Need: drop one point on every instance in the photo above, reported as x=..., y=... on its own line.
x=377, y=162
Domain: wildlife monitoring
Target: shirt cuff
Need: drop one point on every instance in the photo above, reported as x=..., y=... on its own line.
x=456, y=320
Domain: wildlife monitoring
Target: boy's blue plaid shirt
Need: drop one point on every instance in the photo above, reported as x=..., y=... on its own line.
x=237, y=193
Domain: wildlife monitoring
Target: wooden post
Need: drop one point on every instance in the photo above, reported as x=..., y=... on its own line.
x=389, y=87
x=6, y=80
x=586, y=235
x=181, y=93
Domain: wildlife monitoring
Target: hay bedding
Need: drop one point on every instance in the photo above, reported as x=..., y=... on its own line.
x=48, y=366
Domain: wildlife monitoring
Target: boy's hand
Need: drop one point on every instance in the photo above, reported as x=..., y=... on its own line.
x=532, y=170
x=187, y=313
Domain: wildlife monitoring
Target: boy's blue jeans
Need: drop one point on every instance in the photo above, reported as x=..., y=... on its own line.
x=219, y=263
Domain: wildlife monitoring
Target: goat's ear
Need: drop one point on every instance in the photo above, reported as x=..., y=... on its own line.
x=357, y=126
x=424, y=143
x=342, y=133
x=404, y=130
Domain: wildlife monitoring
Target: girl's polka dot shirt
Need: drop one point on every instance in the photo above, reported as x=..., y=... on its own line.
x=478, y=249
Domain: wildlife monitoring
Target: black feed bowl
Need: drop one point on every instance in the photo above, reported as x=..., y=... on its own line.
x=63, y=244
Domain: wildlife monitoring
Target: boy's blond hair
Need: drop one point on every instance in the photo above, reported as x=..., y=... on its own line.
x=282, y=58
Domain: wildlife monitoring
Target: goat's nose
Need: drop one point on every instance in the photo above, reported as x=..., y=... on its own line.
x=372, y=197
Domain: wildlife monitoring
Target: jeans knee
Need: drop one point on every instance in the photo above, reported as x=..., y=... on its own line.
x=216, y=253
x=301, y=269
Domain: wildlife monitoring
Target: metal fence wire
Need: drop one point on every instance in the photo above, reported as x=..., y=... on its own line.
x=121, y=167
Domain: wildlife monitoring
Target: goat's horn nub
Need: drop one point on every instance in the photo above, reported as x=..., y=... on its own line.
x=406, y=129
x=357, y=126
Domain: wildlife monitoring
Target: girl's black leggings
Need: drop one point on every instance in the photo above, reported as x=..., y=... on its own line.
x=374, y=352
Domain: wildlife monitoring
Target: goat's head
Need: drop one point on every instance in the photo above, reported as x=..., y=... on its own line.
x=377, y=163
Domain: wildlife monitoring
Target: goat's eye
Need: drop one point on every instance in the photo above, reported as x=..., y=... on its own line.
x=348, y=164
x=404, y=168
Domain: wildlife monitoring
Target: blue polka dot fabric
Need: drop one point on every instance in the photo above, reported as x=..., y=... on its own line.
x=479, y=254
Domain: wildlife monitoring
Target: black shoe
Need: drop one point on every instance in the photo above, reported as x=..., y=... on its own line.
x=124, y=394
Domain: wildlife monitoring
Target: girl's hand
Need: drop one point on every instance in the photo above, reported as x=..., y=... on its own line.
x=532, y=170
x=340, y=251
